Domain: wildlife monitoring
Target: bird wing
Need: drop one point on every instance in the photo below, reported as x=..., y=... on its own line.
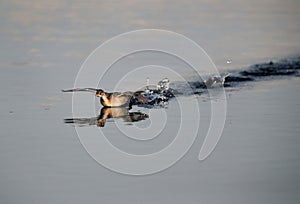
x=80, y=89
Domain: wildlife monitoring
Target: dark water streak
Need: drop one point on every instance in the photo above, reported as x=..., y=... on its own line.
x=264, y=71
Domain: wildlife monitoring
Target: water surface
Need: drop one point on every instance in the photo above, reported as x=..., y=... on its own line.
x=44, y=43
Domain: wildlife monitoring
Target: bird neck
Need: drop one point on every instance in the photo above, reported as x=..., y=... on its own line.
x=105, y=99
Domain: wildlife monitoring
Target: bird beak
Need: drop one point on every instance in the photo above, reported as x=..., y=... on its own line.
x=98, y=95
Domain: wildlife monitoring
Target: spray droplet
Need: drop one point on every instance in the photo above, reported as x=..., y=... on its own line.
x=228, y=61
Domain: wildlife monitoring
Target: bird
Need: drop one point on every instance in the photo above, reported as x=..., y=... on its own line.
x=109, y=113
x=119, y=112
x=115, y=99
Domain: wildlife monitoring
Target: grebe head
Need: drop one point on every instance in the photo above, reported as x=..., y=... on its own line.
x=99, y=93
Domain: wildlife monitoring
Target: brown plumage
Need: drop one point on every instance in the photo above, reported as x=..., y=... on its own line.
x=117, y=99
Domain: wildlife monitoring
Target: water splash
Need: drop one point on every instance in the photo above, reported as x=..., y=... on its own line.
x=163, y=85
x=216, y=81
x=157, y=97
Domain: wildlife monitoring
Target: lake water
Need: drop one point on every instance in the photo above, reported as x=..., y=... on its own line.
x=43, y=45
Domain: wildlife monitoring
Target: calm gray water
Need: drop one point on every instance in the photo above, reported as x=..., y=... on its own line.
x=44, y=43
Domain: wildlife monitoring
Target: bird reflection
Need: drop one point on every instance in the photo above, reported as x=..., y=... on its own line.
x=107, y=113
